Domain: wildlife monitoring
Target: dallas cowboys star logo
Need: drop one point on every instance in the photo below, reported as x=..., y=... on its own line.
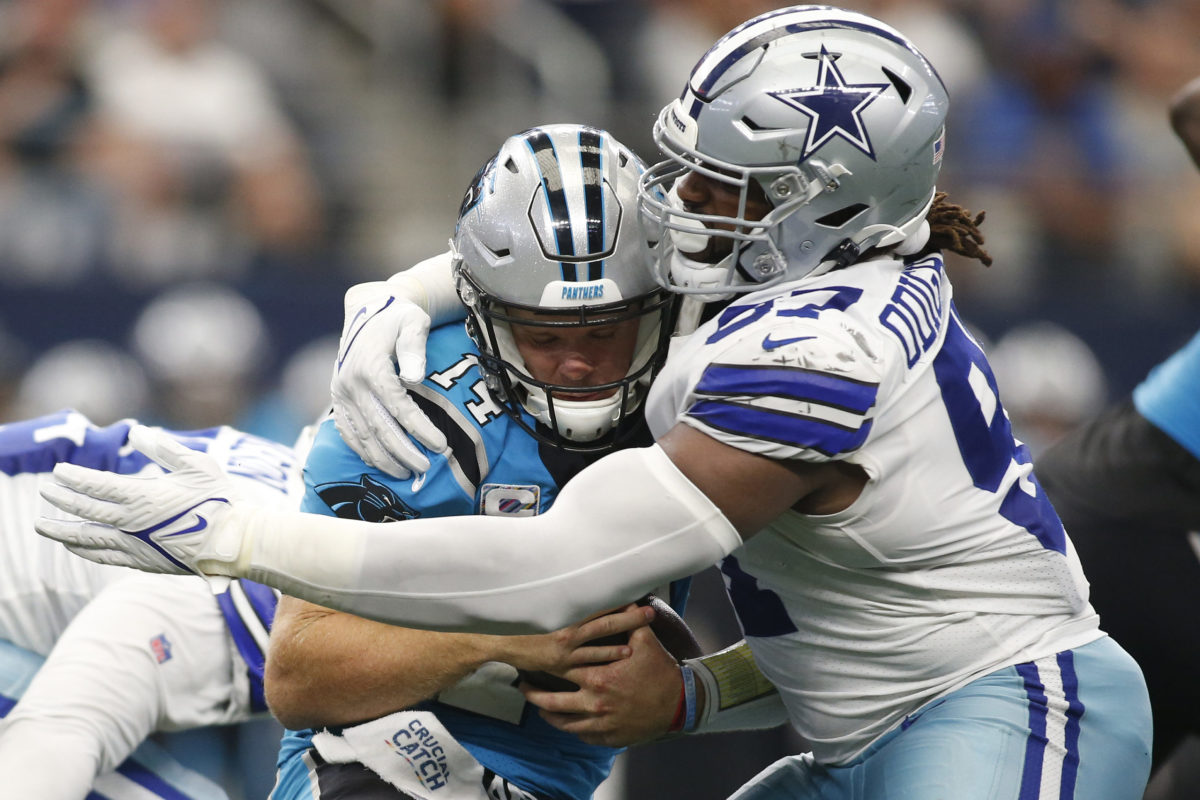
x=834, y=106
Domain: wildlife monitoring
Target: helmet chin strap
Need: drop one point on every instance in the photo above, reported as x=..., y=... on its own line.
x=915, y=240
x=909, y=239
x=695, y=238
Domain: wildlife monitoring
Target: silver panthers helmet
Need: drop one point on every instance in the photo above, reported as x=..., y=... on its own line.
x=549, y=227
x=838, y=119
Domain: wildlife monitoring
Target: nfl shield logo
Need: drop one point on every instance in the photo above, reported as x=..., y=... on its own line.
x=161, y=648
x=505, y=500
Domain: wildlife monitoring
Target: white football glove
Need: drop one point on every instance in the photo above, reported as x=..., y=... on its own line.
x=160, y=523
x=384, y=334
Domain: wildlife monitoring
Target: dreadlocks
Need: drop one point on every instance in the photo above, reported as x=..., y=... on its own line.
x=951, y=227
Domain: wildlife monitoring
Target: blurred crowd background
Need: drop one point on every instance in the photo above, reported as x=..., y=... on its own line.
x=187, y=187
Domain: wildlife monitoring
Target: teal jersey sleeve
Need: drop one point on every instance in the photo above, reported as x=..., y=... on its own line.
x=1169, y=397
x=490, y=465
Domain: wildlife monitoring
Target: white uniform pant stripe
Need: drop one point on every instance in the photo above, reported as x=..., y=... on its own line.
x=1052, y=751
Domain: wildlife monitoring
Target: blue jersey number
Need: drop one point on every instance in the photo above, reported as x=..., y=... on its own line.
x=985, y=439
x=832, y=298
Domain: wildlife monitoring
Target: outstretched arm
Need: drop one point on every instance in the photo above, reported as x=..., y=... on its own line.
x=628, y=523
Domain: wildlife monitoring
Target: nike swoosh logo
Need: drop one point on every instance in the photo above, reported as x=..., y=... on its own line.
x=350, y=342
x=201, y=524
x=770, y=344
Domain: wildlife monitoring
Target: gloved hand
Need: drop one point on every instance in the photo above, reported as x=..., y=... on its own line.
x=162, y=523
x=384, y=335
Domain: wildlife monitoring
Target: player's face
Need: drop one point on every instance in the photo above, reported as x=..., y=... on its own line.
x=576, y=356
x=703, y=194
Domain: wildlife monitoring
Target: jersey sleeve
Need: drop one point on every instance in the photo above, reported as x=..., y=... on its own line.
x=796, y=390
x=337, y=482
x=1170, y=396
x=249, y=609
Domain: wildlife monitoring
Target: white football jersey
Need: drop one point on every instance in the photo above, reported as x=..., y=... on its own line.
x=42, y=584
x=126, y=653
x=949, y=565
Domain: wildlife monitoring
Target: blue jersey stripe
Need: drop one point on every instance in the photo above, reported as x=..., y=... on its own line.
x=263, y=599
x=825, y=437
x=1035, y=745
x=248, y=648
x=791, y=383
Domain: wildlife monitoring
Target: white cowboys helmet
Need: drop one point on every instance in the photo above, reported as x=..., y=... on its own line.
x=550, y=226
x=839, y=120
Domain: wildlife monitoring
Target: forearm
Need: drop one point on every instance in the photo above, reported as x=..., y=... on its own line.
x=79, y=704
x=330, y=668
x=430, y=284
x=623, y=526
x=32, y=758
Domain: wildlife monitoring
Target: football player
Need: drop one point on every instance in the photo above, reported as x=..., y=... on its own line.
x=833, y=437
x=94, y=659
x=565, y=330
x=1127, y=485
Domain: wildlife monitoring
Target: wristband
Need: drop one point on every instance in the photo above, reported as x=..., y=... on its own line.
x=737, y=695
x=680, y=710
x=689, y=698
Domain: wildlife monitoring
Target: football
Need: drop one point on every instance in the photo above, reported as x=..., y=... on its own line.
x=672, y=632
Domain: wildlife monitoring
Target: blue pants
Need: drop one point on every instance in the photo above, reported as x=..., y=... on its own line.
x=1074, y=725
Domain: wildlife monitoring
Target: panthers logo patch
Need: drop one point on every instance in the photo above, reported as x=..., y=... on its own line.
x=367, y=500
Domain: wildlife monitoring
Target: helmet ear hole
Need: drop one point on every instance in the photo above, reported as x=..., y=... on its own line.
x=836, y=219
x=902, y=87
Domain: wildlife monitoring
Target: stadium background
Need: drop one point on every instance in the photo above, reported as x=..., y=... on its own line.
x=187, y=187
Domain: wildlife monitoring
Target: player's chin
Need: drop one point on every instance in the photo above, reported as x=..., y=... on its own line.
x=584, y=397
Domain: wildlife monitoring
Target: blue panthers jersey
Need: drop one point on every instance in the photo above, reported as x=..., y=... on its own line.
x=491, y=467
x=29, y=449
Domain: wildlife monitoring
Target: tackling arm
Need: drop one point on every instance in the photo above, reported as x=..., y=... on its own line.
x=382, y=347
x=623, y=526
x=618, y=529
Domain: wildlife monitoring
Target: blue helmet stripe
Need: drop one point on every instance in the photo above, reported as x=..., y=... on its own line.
x=796, y=430
x=544, y=155
x=774, y=33
x=790, y=383
x=591, y=161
